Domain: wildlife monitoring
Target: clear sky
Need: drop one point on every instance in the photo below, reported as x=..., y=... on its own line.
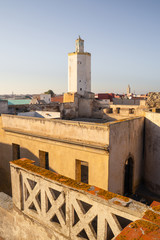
x=123, y=37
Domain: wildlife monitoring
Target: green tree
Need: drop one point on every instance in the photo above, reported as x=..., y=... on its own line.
x=50, y=92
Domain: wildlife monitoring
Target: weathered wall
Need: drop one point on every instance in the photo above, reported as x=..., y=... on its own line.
x=85, y=107
x=82, y=141
x=152, y=151
x=3, y=106
x=126, y=101
x=77, y=106
x=14, y=225
x=69, y=130
x=126, y=139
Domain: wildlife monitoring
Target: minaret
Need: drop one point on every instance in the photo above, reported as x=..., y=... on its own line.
x=79, y=69
x=128, y=90
x=79, y=45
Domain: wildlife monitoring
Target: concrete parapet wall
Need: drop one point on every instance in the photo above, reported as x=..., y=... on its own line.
x=69, y=130
x=126, y=101
x=52, y=200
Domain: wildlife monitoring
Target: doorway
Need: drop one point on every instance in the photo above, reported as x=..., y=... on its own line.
x=128, y=177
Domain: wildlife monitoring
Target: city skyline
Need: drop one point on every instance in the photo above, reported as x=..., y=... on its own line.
x=122, y=37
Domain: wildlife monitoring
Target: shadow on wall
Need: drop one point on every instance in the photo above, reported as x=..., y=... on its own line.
x=152, y=156
x=108, y=118
x=96, y=120
x=6, y=155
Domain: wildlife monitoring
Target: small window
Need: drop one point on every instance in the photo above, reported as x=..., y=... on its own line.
x=81, y=171
x=80, y=89
x=117, y=110
x=44, y=159
x=15, y=151
x=110, y=110
x=79, y=80
x=131, y=110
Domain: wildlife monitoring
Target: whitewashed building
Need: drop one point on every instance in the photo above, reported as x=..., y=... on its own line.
x=45, y=97
x=79, y=69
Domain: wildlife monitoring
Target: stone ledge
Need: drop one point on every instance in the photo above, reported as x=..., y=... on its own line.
x=6, y=201
x=97, y=194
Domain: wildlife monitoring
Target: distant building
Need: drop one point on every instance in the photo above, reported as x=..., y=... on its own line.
x=3, y=106
x=18, y=105
x=79, y=69
x=41, y=99
x=58, y=98
x=102, y=96
x=45, y=97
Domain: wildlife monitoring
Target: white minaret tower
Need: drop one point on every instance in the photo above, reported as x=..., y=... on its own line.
x=79, y=69
x=128, y=90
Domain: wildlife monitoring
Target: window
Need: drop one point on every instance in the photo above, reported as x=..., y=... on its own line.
x=131, y=110
x=44, y=159
x=15, y=151
x=110, y=110
x=80, y=89
x=81, y=171
x=117, y=110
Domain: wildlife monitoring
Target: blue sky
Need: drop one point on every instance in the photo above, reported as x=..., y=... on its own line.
x=123, y=37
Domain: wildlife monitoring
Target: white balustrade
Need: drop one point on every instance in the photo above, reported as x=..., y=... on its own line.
x=74, y=214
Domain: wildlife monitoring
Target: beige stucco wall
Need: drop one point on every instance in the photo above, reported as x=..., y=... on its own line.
x=83, y=141
x=152, y=151
x=66, y=141
x=126, y=139
x=138, y=110
x=61, y=129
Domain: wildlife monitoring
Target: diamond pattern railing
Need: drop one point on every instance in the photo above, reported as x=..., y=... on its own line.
x=69, y=212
